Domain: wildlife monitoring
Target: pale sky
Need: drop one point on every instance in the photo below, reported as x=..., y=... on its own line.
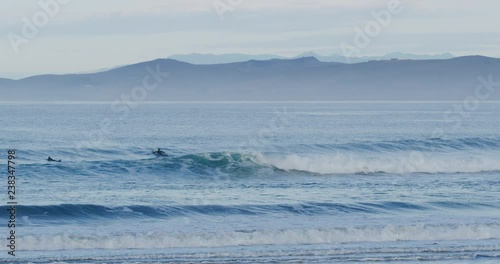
x=87, y=35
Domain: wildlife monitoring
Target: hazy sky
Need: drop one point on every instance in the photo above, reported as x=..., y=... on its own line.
x=86, y=35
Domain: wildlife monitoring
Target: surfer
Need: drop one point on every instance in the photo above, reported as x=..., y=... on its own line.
x=52, y=160
x=160, y=153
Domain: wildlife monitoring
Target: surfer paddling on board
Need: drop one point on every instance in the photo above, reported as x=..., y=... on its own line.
x=160, y=153
x=49, y=159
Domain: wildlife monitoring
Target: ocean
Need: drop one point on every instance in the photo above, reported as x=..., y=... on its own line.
x=253, y=182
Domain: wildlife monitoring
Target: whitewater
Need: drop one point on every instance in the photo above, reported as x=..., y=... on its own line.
x=254, y=182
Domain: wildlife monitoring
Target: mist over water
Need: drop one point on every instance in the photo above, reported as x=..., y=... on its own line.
x=326, y=182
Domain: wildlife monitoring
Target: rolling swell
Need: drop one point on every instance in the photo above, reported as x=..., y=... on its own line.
x=430, y=144
x=84, y=212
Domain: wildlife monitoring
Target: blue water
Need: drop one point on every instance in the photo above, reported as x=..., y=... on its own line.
x=255, y=182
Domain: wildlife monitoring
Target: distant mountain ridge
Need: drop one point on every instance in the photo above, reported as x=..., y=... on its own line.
x=196, y=58
x=298, y=79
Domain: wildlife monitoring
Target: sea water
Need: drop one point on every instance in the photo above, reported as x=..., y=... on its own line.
x=254, y=182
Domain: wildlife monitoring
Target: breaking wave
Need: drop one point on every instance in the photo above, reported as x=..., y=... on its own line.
x=462, y=155
x=151, y=240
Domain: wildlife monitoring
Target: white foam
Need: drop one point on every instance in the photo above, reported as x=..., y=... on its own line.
x=401, y=163
x=153, y=240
